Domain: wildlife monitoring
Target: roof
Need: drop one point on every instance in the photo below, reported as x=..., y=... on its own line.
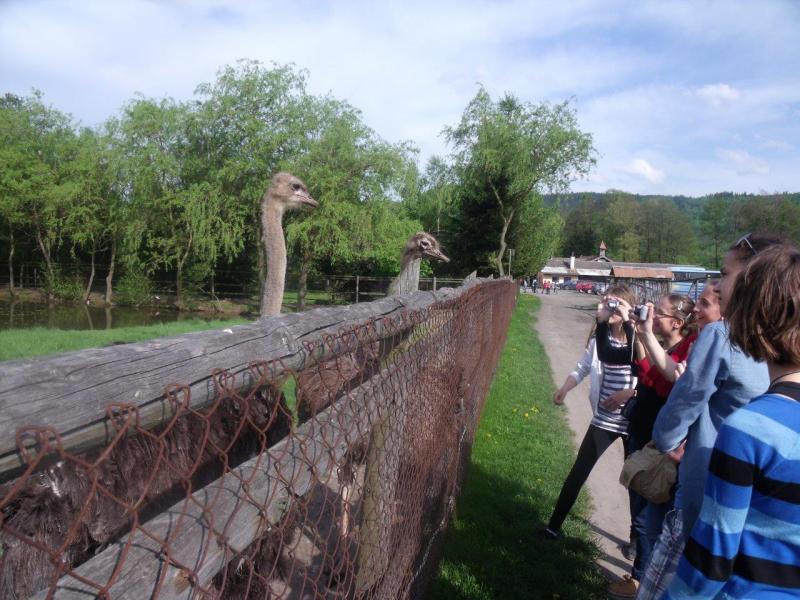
x=641, y=273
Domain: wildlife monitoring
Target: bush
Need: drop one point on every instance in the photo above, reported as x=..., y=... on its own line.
x=68, y=290
x=134, y=288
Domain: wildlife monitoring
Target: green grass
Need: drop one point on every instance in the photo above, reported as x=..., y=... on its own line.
x=522, y=452
x=39, y=341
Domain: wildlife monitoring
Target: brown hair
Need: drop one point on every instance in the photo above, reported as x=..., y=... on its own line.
x=764, y=309
x=682, y=307
x=752, y=244
x=620, y=290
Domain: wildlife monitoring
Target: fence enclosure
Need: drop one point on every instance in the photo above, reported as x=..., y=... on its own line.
x=311, y=455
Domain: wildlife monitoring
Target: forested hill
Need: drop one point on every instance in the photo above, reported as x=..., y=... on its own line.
x=670, y=228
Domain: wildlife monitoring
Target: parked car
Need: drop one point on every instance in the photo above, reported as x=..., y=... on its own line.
x=599, y=288
x=584, y=286
x=569, y=284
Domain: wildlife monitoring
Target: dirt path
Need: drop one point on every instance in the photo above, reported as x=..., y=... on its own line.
x=563, y=324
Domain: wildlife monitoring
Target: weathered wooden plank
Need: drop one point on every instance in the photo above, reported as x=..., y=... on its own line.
x=70, y=392
x=195, y=528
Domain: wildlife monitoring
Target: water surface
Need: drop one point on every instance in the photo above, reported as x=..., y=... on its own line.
x=21, y=314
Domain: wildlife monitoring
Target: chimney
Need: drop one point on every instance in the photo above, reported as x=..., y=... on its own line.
x=572, y=262
x=602, y=249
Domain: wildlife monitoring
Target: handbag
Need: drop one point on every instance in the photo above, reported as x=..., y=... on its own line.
x=650, y=473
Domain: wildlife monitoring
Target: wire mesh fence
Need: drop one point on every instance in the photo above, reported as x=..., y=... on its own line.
x=325, y=465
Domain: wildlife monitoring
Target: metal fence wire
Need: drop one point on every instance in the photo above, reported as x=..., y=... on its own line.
x=334, y=479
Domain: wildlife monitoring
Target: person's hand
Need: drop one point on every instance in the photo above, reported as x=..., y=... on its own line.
x=559, y=396
x=646, y=327
x=680, y=368
x=617, y=399
x=603, y=314
x=677, y=454
x=624, y=309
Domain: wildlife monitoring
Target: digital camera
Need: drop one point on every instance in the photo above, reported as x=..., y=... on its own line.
x=612, y=305
x=640, y=312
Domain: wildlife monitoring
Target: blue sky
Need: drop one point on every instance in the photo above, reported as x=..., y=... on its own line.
x=681, y=97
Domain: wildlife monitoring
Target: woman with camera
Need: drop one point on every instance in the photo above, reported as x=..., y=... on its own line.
x=609, y=383
x=671, y=319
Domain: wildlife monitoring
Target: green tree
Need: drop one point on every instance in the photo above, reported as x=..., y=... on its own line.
x=537, y=236
x=353, y=174
x=514, y=150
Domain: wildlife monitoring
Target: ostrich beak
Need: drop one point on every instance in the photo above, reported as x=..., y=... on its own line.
x=436, y=254
x=307, y=200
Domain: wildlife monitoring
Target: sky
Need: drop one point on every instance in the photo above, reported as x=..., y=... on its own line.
x=680, y=97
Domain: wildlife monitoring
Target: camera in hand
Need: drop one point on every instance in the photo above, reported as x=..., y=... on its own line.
x=612, y=305
x=640, y=312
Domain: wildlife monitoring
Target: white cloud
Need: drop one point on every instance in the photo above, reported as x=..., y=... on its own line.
x=778, y=145
x=672, y=82
x=639, y=167
x=718, y=94
x=743, y=162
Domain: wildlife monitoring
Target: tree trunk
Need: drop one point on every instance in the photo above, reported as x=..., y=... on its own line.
x=48, y=264
x=179, y=286
x=302, y=283
x=110, y=276
x=179, y=275
x=91, y=274
x=11, y=263
x=503, y=246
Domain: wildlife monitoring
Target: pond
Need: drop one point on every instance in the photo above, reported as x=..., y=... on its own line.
x=22, y=314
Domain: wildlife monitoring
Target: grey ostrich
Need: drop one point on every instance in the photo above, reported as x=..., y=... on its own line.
x=286, y=192
x=419, y=246
x=147, y=472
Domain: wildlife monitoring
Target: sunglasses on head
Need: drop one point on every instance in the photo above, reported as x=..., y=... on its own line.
x=744, y=242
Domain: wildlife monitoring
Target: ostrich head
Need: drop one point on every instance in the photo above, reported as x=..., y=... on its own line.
x=423, y=245
x=287, y=192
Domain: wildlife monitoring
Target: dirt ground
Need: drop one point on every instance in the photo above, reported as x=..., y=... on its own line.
x=563, y=324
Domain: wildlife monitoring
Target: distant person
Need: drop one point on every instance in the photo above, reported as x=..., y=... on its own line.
x=611, y=385
x=718, y=380
x=535, y=285
x=745, y=542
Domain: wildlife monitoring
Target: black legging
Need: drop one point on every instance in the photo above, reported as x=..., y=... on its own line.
x=594, y=443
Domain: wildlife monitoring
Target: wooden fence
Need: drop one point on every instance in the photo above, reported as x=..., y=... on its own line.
x=313, y=454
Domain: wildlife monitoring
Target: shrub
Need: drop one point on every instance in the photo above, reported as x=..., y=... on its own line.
x=134, y=288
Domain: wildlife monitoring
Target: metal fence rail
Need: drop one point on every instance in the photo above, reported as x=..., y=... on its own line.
x=304, y=456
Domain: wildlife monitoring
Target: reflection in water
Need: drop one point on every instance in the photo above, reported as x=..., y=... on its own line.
x=20, y=315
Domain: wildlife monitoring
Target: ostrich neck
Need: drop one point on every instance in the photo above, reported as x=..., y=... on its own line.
x=275, y=246
x=408, y=279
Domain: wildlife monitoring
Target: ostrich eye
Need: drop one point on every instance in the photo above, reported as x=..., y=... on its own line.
x=297, y=187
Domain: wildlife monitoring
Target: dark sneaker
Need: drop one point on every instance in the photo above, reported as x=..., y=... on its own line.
x=628, y=551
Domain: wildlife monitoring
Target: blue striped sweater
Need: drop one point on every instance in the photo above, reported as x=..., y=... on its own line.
x=746, y=542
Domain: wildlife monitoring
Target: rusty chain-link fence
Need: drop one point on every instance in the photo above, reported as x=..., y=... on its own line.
x=315, y=455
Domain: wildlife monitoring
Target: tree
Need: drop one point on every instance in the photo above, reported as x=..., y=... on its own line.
x=353, y=174
x=537, y=236
x=514, y=150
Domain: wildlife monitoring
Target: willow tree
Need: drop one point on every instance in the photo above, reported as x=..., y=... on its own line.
x=353, y=174
x=515, y=150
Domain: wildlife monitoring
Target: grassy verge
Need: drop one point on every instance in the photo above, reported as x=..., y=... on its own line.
x=38, y=341
x=522, y=452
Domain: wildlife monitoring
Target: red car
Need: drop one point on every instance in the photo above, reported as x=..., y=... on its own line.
x=584, y=286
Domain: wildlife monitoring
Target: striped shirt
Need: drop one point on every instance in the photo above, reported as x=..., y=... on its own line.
x=615, y=378
x=746, y=542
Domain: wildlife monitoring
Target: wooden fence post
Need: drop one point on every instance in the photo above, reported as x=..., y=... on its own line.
x=356, y=289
